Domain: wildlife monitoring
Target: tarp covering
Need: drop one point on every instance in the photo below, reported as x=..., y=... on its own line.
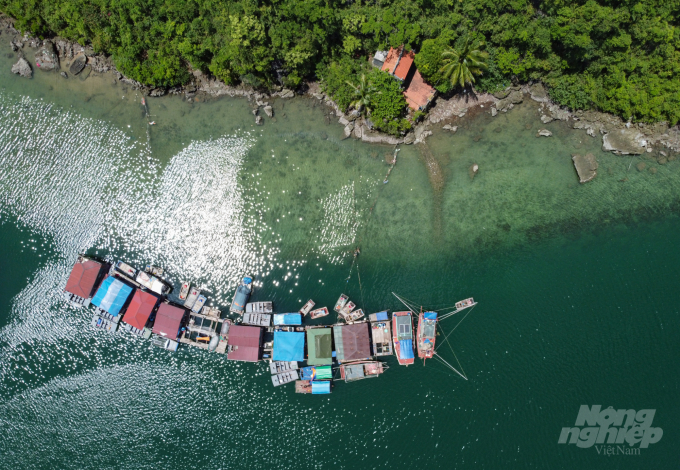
x=168, y=321
x=319, y=388
x=241, y=296
x=112, y=295
x=140, y=308
x=352, y=342
x=319, y=346
x=287, y=319
x=406, y=349
x=289, y=346
x=430, y=315
x=354, y=372
x=381, y=316
x=244, y=343
x=82, y=279
x=316, y=373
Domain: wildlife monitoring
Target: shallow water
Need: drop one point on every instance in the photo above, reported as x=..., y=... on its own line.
x=576, y=283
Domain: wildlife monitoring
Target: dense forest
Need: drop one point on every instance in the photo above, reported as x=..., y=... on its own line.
x=618, y=56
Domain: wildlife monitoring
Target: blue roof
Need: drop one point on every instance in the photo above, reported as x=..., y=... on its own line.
x=289, y=346
x=321, y=387
x=287, y=319
x=112, y=295
x=430, y=315
x=381, y=316
x=406, y=349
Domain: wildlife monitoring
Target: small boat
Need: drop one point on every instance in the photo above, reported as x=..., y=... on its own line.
x=242, y=295
x=126, y=269
x=318, y=313
x=465, y=303
x=355, y=315
x=184, y=291
x=353, y=371
x=426, y=334
x=402, y=337
x=341, y=303
x=347, y=309
x=276, y=367
x=152, y=283
x=307, y=307
x=143, y=101
x=198, y=305
x=155, y=270
x=284, y=377
x=164, y=343
x=193, y=295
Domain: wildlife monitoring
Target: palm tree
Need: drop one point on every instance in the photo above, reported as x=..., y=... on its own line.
x=362, y=94
x=462, y=64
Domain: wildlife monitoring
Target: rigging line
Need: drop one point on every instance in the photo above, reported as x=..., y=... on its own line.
x=444, y=317
x=454, y=353
x=449, y=365
x=361, y=289
x=407, y=305
x=454, y=329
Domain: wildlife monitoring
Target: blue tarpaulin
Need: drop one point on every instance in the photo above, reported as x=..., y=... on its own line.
x=289, y=346
x=406, y=349
x=381, y=316
x=111, y=295
x=287, y=319
x=430, y=315
x=321, y=387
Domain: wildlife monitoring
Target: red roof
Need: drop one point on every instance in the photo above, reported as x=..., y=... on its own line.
x=404, y=66
x=140, y=308
x=168, y=321
x=355, y=341
x=246, y=341
x=418, y=93
x=391, y=61
x=82, y=279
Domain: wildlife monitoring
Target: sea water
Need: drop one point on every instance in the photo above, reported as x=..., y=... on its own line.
x=576, y=284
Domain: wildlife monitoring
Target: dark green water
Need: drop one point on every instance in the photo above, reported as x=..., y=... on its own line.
x=577, y=285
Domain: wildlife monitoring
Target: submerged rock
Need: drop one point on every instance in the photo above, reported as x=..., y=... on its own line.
x=624, y=141
x=22, y=68
x=64, y=74
x=269, y=111
x=286, y=93
x=546, y=119
x=494, y=111
x=258, y=120
x=451, y=128
x=641, y=166
x=78, y=64
x=544, y=133
x=515, y=97
x=586, y=166
x=473, y=170
x=348, y=129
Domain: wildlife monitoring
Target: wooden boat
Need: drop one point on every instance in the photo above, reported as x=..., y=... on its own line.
x=355, y=315
x=402, y=337
x=340, y=303
x=318, y=313
x=285, y=377
x=353, y=371
x=193, y=295
x=465, y=303
x=307, y=307
x=277, y=367
x=184, y=291
x=241, y=296
x=426, y=334
x=152, y=283
x=347, y=309
x=198, y=305
x=155, y=270
x=126, y=269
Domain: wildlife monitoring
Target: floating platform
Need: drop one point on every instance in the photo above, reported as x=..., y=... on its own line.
x=144, y=333
x=164, y=343
x=381, y=333
x=256, y=319
x=206, y=333
x=260, y=307
x=351, y=372
x=104, y=324
x=277, y=367
x=285, y=377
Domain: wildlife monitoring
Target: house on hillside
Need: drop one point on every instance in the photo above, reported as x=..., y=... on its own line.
x=399, y=64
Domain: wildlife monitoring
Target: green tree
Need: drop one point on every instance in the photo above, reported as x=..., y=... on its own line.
x=363, y=94
x=462, y=64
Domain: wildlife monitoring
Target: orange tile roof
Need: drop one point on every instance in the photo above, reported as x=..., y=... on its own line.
x=418, y=93
x=392, y=60
x=404, y=66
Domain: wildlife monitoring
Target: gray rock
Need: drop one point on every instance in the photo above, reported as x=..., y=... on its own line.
x=16, y=45
x=343, y=120
x=46, y=59
x=64, y=74
x=286, y=93
x=348, y=129
x=22, y=68
x=451, y=128
x=586, y=166
x=544, y=133
x=255, y=111
x=538, y=93
x=318, y=96
x=502, y=94
x=379, y=138
x=269, y=111
x=546, y=119
x=410, y=138
x=624, y=141
x=78, y=64
x=515, y=97
x=494, y=111
x=358, y=131
x=558, y=113
x=157, y=92
x=590, y=131
x=258, y=120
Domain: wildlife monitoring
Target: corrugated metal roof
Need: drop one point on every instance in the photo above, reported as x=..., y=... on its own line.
x=352, y=342
x=140, y=308
x=168, y=321
x=82, y=278
x=246, y=341
x=418, y=94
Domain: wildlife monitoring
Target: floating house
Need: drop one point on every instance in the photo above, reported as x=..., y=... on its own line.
x=110, y=299
x=399, y=63
x=361, y=370
x=289, y=346
x=319, y=346
x=352, y=342
x=316, y=373
x=287, y=319
x=381, y=333
x=245, y=343
x=314, y=387
x=139, y=313
x=82, y=281
x=169, y=321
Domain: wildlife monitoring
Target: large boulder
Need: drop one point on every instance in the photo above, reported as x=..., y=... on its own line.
x=515, y=97
x=538, y=93
x=586, y=166
x=624, y=141
x=46, y=58
x=22, y=68
x=78, y=64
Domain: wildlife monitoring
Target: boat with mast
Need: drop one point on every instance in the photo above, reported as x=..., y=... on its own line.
x=402, y=337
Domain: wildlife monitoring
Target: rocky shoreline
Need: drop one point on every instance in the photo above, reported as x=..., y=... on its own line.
x=623, y=138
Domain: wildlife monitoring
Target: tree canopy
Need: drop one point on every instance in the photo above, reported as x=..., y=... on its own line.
x=619, y=56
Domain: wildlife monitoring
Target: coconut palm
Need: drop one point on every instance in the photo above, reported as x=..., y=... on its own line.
x=462, y=64
x=362, y=94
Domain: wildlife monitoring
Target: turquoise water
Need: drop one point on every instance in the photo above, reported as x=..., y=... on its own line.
x=575, y=283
